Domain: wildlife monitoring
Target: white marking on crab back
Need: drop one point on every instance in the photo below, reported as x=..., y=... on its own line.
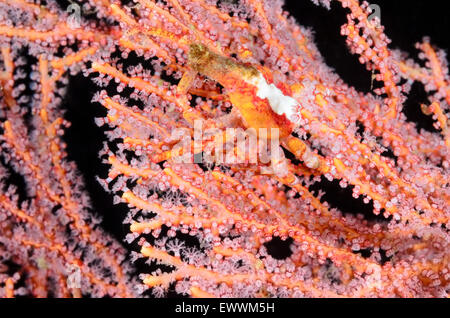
x=280, y=103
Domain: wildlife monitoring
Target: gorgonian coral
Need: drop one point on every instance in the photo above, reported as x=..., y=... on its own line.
x=222, y=117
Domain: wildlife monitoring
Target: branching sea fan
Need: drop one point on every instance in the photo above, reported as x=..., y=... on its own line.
x=223, y=123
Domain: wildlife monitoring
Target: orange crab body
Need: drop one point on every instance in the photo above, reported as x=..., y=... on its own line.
x=238, y=79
